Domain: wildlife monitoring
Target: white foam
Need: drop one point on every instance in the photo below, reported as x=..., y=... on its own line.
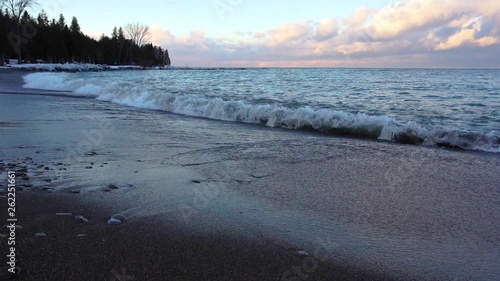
x=272, y=115
x=47, y=81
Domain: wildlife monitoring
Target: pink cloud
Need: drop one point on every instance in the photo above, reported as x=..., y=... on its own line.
x=327, y=28
x=405, y=33
x=288, y=33
x=358, y=18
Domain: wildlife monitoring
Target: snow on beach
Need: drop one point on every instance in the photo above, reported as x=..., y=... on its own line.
x=72, y=67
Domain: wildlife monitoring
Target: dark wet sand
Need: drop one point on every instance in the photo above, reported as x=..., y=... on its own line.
x=142, y=250
x=392, y=212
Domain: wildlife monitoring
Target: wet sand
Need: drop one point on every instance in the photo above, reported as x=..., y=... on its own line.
x=210, y=200
x=139, y=250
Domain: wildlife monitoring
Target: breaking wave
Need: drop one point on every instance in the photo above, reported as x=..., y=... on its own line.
x=269, y=114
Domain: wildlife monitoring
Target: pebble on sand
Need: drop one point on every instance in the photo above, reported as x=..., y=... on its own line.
x=120, y=186
x=81, y=235
x=81, y=218
x=17, y=226
x=40, y=234
x=64, y=214
x=47, y=188
x=119, y=217
x=113, y=221
x=76, y=191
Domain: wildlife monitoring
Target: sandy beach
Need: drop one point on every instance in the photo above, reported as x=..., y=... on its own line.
x=215, y=200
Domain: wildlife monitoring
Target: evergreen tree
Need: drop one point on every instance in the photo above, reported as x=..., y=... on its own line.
x=75, y=27
x=53, y=41
x=43, y=19
x=61, y=23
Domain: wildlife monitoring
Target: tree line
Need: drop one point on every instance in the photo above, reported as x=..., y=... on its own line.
x=53, y=41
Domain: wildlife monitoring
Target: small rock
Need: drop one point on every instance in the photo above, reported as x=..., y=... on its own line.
x=17, y=226
x=302, y=253
x=119, y=217
x=81, y=235
x=196, y=181
x=81, y=219
x=40, y=235
x=47, y=180
x=64, y=214
x=88, y=167
x=106, y=189
x=113, y=221
x=91, y=153
x=76, y=191
x=259, y=176
x=112, y=186
x=47, y=168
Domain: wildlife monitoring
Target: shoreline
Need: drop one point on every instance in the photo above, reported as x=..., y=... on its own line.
x=263, y=197
x=74, y=68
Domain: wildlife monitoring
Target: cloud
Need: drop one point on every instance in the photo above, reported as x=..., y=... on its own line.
x=288, y=33
x=358, y=18
x=327, y=28
x=406, y=33
x=160, y=36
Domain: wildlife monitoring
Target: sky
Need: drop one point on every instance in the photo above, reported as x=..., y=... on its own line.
x=304, y=33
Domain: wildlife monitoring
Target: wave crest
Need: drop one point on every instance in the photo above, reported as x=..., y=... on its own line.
x=273, y=115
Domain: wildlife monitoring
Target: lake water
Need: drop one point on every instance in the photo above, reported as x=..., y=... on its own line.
x=451, y=108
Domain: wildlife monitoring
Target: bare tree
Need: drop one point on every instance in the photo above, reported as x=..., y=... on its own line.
x=138, y=33
x=16, y=8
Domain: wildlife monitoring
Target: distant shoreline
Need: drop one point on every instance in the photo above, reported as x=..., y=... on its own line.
x=78, y=67
x=101, y=67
